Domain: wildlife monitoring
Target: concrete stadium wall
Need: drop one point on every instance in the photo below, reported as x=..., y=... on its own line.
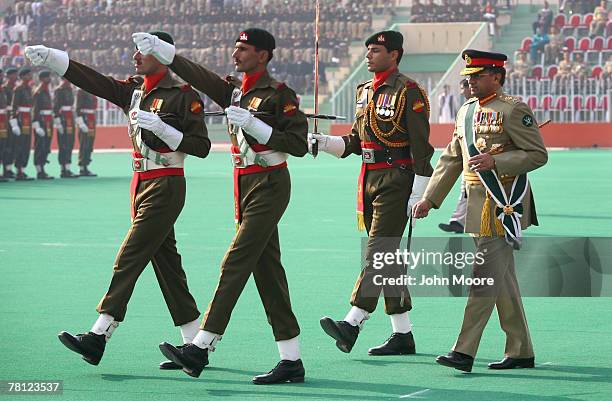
x=577, y=135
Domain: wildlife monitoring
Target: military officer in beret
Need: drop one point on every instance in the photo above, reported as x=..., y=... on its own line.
x=63, y=110
x=8, y=156
x=496, y=142
x=21, y=122
x=157, y=188
x=42, y=126
x=391, y=133
x=261, y=146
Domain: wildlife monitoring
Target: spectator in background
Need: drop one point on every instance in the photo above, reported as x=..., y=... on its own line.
x=544, y=20
x=539, y=41
x=600, y=19
x=553, y=47
x=521, y=67
x=565, y=66
x=579, y=67
x=489, y=16
x=416, y=11
x=19, y=30
x=446, y=103
x=607, y=69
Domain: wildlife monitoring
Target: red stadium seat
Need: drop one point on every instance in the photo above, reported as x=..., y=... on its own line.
x=608, y=32
x=595, y=52
x=609, y=44
x=532, y=102
x=552, y=71
x=570, y=43
x=559, y=21
x=546, y=103
x=15, y=50
x=590, y=103
x=574, y=21
x=525, y=44
x=536, y=72
x=560, y=108
x=596, y=72
x=587, y=20
x=584, y=44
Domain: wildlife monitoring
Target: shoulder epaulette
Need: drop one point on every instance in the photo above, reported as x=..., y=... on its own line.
x=280, y=86
x=133, y=79
x=185, y=88
x=369, y=81
x=509, y=99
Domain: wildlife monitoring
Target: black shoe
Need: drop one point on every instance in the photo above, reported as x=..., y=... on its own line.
x=284, y=372
x=343, y=332
x=169, y=365
x=86, y=173
x=9, y=174
x=43, y=176
x=190, y=357
x=511, y=363
x=23, y=177
x=89, y=345
x=456, y=360
x=397, y=344
x=451, y=227
x=68, y=174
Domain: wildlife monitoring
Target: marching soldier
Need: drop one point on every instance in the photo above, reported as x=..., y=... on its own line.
x=86, y=105
x=63, y=110
x=42, y=115
x=261, y=187
x=21, y=122
x=8, y=156
x=495, y=144
x=157, y=189
x=391, y=133
x=3, y=123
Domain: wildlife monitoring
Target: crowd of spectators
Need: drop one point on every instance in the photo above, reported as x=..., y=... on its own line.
x=99, y=32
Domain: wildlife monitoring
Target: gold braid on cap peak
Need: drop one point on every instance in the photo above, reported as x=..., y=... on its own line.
x=395, y=120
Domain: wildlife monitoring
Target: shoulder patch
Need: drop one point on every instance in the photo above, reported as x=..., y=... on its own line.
x=527, y=120
x=196, y=107
x=290, y=108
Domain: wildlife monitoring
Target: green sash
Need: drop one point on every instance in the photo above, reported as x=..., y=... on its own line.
x=507, y=209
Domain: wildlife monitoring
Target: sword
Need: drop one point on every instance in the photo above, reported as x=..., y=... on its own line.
x=315, y=143
x=314, y=116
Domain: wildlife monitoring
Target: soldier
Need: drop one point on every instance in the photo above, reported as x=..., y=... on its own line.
x=391, y=133
x=157, y=189
x=21, y=122
x=42, y=115
x=261, y=194
x=3, y=123
x=86, y=105
x=63, y=110
x=495, y=143
x=8, y=157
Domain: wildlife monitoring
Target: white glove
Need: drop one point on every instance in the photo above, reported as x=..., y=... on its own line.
x=167, y=133
x=151, y=44
x=39, y=131
x=82, y=126
x=418, y=189
x=15, y=126
x=334, y=145
x=54, y=59
x=57, y=123
x=251, y=124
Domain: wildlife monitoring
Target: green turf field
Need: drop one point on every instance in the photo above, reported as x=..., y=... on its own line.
x=59, y=239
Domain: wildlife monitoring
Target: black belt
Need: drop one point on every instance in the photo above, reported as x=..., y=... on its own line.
x=388, y=155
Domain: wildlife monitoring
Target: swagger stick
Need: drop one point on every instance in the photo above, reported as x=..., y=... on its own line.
x=315, y=144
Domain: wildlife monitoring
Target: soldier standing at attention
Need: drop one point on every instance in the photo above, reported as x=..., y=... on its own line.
x=8, y=156
x=63, y=109
x=261, y=195
x=21, y=122
x=42, y=114
x=4, y=132
x=391, y=133
x=495, y=144
x=157, y=188
x=86, y=105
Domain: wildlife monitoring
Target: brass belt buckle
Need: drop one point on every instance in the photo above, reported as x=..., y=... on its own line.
x=238, y=160
x=367, y=155
x=139, y=164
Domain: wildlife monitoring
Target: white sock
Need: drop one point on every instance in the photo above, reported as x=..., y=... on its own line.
x=205, y=339
x=189, y=331
x=68, y=166
x=401, y=323
x=289, y=350
x=105, y=325
x=356, y=317
x=38, y=168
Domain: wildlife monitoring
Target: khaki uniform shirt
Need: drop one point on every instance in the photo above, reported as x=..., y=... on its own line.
x=513, y=139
